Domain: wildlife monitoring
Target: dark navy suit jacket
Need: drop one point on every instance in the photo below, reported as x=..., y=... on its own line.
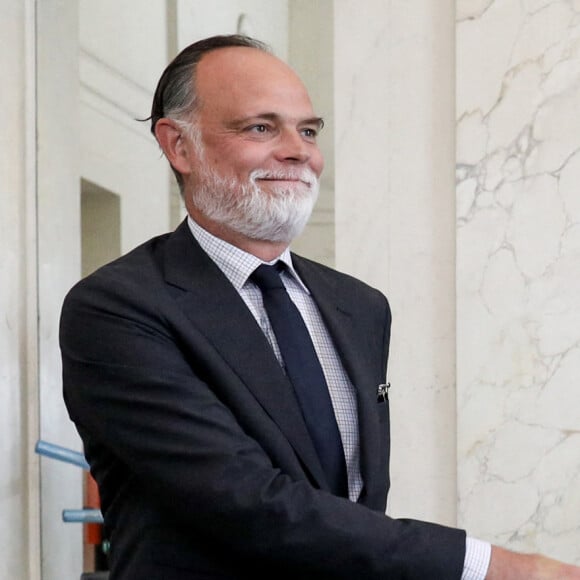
x=194, y=435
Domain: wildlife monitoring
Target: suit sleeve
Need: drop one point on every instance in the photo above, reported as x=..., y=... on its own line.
x=130, y=390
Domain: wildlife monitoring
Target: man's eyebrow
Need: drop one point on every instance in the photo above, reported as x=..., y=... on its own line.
x=318, y=121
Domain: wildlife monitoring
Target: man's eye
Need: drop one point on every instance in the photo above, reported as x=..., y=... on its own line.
x=310, y=133
x=258, y=128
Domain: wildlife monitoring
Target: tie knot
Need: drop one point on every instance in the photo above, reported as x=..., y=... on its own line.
x=268, y=277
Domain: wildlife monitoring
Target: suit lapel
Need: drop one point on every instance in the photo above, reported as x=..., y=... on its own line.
x=338, y=309
x=208, y=299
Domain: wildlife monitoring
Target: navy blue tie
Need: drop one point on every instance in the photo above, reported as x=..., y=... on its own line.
x=305, y=373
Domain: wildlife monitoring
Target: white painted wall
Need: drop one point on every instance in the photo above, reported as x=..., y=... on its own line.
x=58, y=268
x=19, y=494
x=266, y=20
x=92, y=85
x=123, y=49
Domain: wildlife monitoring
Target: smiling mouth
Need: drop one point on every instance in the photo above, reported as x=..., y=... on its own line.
x=286, y=177
x=284, y=180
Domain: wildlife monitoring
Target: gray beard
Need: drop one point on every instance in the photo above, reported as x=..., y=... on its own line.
x=278, y=215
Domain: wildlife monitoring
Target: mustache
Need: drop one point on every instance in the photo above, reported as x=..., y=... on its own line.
x=298, y=174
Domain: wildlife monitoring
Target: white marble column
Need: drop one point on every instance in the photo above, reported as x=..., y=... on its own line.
x=518, y=272
x=394, y=208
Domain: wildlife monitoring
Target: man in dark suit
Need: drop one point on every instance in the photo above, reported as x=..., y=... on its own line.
x=180, y=374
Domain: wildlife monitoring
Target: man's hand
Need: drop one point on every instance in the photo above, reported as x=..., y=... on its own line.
x=506, y=565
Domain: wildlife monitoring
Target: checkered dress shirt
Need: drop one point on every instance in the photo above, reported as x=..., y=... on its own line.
x=237, y=266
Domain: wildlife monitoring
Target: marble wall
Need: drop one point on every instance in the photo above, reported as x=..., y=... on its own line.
x=518, y=272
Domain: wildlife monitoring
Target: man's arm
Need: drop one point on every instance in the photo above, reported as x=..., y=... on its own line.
x=507, y=565
x=486, y=562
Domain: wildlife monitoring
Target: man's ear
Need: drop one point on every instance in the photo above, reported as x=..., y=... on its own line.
x=174, y=145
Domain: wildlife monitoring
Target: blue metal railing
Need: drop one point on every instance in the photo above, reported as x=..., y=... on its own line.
x=83, y=516
x=61, y=454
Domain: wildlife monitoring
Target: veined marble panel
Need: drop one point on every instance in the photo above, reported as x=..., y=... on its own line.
x=518, y=272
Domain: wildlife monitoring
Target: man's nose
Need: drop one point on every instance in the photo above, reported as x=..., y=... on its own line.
x=292, y=146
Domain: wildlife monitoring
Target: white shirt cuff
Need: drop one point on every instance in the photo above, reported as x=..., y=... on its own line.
x=477, y=557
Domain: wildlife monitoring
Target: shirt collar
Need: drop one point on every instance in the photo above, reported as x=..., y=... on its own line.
x=235, y=263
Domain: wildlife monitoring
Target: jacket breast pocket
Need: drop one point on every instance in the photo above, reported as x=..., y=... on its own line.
x=383, y=402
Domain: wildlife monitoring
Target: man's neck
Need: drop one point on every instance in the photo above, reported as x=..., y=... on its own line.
x=263, y=249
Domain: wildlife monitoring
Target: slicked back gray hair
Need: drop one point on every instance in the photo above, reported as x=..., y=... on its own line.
x=175, y=95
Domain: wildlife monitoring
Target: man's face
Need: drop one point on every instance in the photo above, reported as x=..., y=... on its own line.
x=257, y=162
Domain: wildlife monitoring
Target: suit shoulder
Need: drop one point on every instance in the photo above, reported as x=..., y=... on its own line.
x=331, y=274
x=136, y=268
x=346, y=282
